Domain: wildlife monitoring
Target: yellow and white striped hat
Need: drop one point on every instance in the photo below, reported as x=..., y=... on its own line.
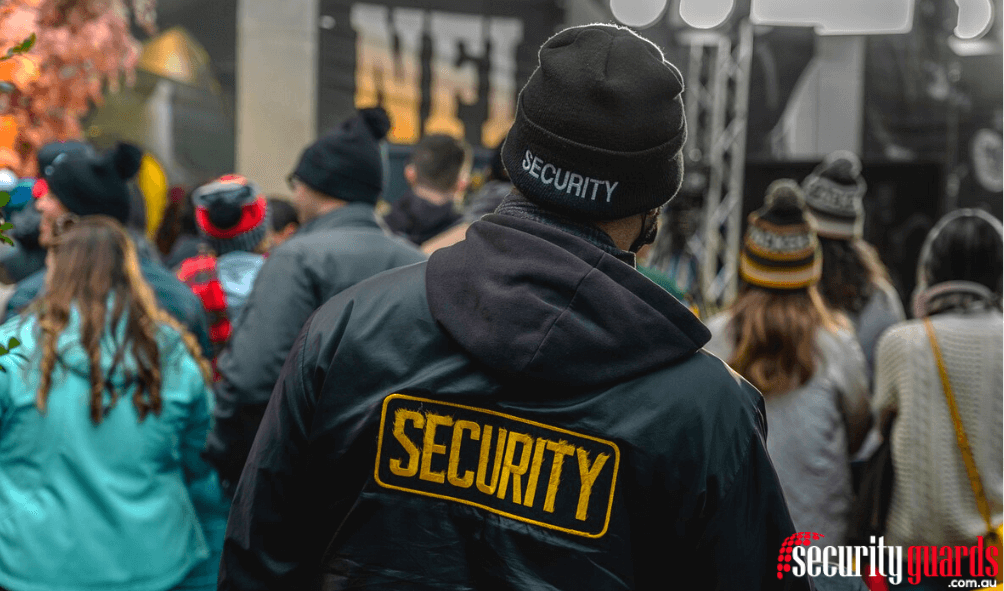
x=781, y=249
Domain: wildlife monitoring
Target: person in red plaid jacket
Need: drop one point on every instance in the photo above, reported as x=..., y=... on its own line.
x=232, y=214
x=234, y=221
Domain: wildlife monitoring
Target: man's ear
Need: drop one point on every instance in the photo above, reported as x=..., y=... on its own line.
x=411, y=174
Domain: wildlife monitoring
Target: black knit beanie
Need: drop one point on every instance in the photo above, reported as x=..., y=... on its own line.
x=92, y=184
x=599, y=126
x=47, y=153
x=346, y=163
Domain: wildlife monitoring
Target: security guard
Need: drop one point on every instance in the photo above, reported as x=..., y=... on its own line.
x=525, y=410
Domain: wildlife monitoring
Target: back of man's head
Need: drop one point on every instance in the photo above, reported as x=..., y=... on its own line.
x=599, y=126
x=439, y=160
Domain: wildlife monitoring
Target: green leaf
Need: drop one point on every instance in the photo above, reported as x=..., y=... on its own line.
x=25, y=45
x=3, y=236
x=22, y=47
x=11, y=345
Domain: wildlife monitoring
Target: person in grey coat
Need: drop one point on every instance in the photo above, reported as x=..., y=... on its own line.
x=854, y=280
x=335, y=187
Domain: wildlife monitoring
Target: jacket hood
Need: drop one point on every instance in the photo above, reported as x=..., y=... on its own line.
x=531, y=301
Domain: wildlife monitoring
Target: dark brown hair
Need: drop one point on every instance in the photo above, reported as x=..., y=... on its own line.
x=968, y=248
x=178, y=220
x=439, y=160
x=851, y=270
x=92, y=259
x=775, y=335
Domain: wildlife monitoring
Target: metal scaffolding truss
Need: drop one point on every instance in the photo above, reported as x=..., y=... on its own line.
x=717, y=102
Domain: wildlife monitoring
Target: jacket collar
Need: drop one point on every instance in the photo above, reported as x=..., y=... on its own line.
x=516, y=205
x=350, y=215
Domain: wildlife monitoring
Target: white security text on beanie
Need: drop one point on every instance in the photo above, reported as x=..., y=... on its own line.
x=572, y=182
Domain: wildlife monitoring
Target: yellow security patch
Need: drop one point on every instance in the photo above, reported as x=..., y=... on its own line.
x=524, y=470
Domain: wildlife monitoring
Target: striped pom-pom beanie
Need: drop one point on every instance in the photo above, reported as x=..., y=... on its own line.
x=231, y=213
x=781, y=250
x=834, y=192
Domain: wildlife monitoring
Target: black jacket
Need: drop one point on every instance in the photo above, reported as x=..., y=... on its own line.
x=326, y=256
x=524, y=411
x=419, y=220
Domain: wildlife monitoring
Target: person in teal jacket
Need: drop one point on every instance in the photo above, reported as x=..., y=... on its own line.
x=104, y=407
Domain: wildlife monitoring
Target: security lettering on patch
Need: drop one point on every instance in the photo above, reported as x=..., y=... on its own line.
x=570, y=182
x=521, y=469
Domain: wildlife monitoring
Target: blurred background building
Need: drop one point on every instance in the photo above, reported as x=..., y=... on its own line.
x=913, y=86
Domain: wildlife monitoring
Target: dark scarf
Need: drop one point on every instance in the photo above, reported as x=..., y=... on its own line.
x=516, y=205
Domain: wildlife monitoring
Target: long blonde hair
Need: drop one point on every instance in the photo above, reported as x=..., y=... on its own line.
x=775, y=335
x=88, y=261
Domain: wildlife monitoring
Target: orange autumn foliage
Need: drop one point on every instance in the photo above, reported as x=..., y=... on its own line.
x=8, y=135
x=20, y=70
x=83, y=49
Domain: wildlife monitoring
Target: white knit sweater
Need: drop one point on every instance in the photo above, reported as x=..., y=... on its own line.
x=932, y=499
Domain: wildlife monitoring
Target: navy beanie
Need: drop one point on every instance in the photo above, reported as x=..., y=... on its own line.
x=47, y=153
x=92, y=184
x=599, y=126
x=346, y=163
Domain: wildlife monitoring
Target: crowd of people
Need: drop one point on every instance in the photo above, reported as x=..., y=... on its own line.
x=487, y=387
